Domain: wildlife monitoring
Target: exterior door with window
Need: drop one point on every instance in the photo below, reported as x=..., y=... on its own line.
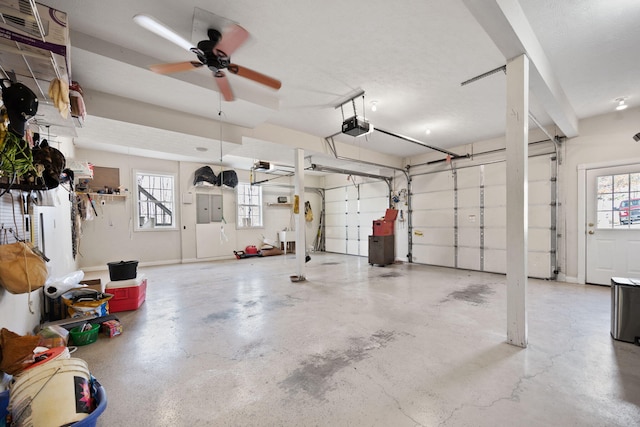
x=613, y=224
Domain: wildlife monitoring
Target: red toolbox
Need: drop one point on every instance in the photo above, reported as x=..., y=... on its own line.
x=385, y=226
x=127, y=294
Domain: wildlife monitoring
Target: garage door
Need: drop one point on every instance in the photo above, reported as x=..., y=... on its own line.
x=349, y=214
x=459, y=217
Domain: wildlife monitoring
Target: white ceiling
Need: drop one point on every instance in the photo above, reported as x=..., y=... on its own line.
x=409, y=56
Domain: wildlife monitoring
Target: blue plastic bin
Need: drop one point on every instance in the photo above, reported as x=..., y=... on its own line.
x=90, y=421
x=4, y=402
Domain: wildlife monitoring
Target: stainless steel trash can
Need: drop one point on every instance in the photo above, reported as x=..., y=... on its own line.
x=625, y=309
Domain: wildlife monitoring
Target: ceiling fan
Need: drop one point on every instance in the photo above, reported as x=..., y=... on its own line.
x=213, y=53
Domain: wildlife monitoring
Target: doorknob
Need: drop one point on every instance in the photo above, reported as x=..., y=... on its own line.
x=591, y=224
x=591, y=232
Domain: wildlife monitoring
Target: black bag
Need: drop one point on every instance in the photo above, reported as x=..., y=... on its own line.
x=49, y=163
x=229, y=178
x=205, y=174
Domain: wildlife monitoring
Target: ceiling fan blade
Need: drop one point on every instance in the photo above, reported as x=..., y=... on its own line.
x=255, y=76
x=232, y=38
x=224, y=86
x=157, y=27
x=174, y=67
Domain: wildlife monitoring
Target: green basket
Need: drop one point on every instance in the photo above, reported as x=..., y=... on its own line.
x=87, y=337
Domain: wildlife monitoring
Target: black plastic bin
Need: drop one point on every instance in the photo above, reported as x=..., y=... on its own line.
x=123, y=270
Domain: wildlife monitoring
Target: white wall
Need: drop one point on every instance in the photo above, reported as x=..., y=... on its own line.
x=14, y=311
x=606, y=138
x=110, y=236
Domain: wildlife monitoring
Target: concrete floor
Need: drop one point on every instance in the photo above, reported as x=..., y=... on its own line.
x=236, y=343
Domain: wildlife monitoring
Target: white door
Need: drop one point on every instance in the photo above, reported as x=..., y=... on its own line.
x=613, y=225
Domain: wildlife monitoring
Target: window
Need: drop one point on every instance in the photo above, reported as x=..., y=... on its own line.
x=155, y=201
x=249, y=206
x=619, y=201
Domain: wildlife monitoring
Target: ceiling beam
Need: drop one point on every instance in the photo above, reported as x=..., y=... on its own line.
x=506, y=24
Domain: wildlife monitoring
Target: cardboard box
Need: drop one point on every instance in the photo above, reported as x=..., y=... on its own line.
x=127, y=294
x=95, y=284
x=112, y=328
x=20, y=26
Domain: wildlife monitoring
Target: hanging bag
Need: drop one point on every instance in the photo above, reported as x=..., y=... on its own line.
x=21, y=269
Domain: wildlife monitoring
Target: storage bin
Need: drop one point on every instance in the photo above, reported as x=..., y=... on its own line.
x=123, y=270
x=91, y=421
x=127, y=294
x=78, y=337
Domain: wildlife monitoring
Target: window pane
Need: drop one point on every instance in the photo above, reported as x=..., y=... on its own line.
x=249, y=205
x=621, y=183
x=605, y=202
x=634, y=179
x=605, y=184
x=155, y=201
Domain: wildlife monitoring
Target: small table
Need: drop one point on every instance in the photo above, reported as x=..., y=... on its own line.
x=287, y=241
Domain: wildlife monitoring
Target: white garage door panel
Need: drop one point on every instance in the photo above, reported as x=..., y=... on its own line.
x=353, y=246
x=352, y=192
x=468, y=177
x=539, y=216
x=469, y=258
x=438, y=236
x=539, y=239
x=539, y=192
x=423, y=183
x=378, y=205
x=495, y=217
x=335, y=232
x=431, y=201
x=364, y=247
x=539, y=264
x=338, y=207
x=352, y=207
x=373, y=189
x=353, y=233
x=469, y=197
x=495, y=174
x=539, y=168
x=495, y=195
x=435, y=255
x=469, y=237
x=353, y=220
x=334, y=245
x=334, y=195
x=495, y=238
x=495, y=261
x=433, y=218
x=335, y=219
x=469, y=217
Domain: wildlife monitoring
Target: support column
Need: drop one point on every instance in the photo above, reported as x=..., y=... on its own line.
x=301, y=243
x=517, y=138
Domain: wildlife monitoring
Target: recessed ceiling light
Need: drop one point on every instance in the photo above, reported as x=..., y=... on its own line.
x=202, y=149
x=428, y=131
x=374, y=105
x=621, y=105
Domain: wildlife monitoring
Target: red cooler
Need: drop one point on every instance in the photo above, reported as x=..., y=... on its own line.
x=127, y=294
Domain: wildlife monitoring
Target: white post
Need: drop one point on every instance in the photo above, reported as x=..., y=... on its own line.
x=517, y=138
x=301, y=244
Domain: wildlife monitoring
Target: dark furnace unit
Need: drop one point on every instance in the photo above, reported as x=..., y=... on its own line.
x=382, y=242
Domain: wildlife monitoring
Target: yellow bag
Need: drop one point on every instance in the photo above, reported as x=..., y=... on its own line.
x=21, y=269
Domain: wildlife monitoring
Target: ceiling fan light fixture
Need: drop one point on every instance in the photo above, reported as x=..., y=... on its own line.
x=621, y=104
